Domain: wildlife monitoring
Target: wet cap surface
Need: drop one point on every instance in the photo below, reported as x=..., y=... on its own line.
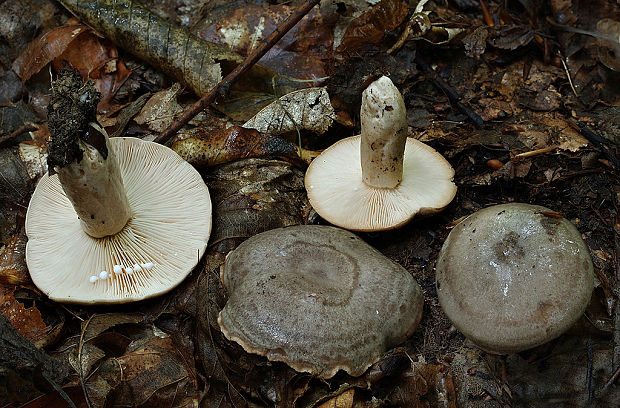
x=514, y=276
x=318, y=298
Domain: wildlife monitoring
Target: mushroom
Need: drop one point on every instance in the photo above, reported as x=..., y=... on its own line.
x=514, y=276
x=381, y=179
x=317, y=298
x=122, y=220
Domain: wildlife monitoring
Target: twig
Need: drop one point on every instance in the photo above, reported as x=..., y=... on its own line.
x=79, y=362
x=570, y=80
x=533, y=153
x=17, y=132
x=613, y=379
x=488, y=19
x=450, y=93
x=225, y=84
x=598, y=141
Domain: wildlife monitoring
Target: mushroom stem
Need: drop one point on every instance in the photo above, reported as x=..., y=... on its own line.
x=384, y=133
x=94, y=186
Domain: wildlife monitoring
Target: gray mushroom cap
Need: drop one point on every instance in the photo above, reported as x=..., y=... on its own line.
x=317, y=298
x=511, y=277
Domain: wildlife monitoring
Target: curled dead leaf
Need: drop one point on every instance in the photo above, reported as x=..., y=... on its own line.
x=308, y=109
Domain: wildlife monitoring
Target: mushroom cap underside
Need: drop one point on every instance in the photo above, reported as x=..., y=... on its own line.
x=511, y=277
x=338, y=193
x=165, y=237
x=317, y=298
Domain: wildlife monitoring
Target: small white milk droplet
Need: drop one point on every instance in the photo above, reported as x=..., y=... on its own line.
x=147, y=265
x=103, y=275
x=93, y=279
x=136, y=268
x=128, y=271
x=118, y=269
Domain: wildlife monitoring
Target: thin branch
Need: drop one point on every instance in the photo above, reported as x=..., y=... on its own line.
x=17, y=132
x=225, y=84
x=452, y=95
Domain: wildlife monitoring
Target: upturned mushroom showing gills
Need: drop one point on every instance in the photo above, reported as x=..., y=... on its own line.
x=122, y=220
x=381, y=179
x=317, y=298
x=511, y=277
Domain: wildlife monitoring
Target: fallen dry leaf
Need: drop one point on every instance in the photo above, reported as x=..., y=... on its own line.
x=344, y=400
x=45, y=48
x=304, y=52
x=161, y=109
x=13, y=270
x=34, y=156
x=26, y=320
x=210, y=148
x=370, y=27
x=81, y=48
x=308, y=109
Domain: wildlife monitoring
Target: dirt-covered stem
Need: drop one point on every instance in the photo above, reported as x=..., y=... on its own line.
x=95, y=188
x=384, y=133
x=81, y=155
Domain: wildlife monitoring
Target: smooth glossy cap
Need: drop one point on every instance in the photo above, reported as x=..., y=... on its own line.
x=317, y=298
x=165, y=237
x=511, y=277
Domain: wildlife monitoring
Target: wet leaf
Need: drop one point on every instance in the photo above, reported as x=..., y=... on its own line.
x=151, y=374
x=510, y=37
x=26, y=320
x=303, y=53
x=79, y=46
x=255, y=195
x=210, y=148
x=538, y=377
x=425, y=385
x=609, y=47
x=99, y=323
x=13, y=270
x=344, y=400
x=196, y=63
x=45, y=48
x=11, y=88
x=15, y=183
x=370, y=27
x=308, y=109
x=25, y=371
